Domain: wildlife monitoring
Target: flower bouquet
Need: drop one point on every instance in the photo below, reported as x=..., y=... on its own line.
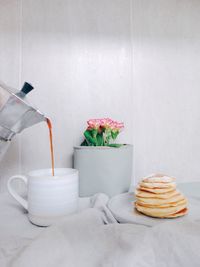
x=102, y=132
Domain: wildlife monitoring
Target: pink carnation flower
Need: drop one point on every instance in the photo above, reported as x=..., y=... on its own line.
x=117, y=126
x=94, y=123
x=106, y=123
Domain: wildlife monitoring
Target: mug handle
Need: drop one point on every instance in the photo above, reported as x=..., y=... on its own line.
x=13, y=193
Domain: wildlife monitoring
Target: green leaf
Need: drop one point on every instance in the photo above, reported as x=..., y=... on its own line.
x=107, y=136
x=114, y=134
x=115, y=145
x=84, y=143
x=100, y=140
x=88, y=136
x=94, y=132
x=103, y=129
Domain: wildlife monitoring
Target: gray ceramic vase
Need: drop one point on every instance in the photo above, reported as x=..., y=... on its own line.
x=104, y=169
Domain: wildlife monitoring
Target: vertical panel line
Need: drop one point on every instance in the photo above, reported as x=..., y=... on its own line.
x=132, y=87
x=20, y=76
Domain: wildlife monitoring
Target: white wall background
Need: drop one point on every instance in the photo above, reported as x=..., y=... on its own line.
x=166, y=40
x=77, y=54
x=133, y=60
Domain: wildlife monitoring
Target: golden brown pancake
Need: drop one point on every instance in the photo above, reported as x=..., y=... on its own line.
x=178, y=214
x=167, y=205
x=158, y=202
x=145, y=194
x=160, y=212
x=157, y=185
x=157, y=190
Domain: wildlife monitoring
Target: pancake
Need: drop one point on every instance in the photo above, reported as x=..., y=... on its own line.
x=158, y=178
x=178, y=214
x=156, y=196
x=157, y=185
x=163, y=205
x=157, y=190
x=157, y=202
x=160, y=212
x=145, y=194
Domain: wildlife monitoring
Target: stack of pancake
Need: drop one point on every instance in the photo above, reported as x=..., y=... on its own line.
x=156, y=196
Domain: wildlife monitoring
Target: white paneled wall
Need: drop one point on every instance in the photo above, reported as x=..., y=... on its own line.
x=77, y=54
x=166, y=40
x=133, y=60
x=10, y=47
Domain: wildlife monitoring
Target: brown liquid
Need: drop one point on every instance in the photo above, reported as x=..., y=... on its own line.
x=51, y=144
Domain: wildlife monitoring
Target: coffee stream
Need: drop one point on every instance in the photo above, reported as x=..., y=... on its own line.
x=51, y=144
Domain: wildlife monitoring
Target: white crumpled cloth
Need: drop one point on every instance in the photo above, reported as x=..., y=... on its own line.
x=93, y=238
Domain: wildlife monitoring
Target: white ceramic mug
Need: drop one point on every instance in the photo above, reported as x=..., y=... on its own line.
x=49, y=197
